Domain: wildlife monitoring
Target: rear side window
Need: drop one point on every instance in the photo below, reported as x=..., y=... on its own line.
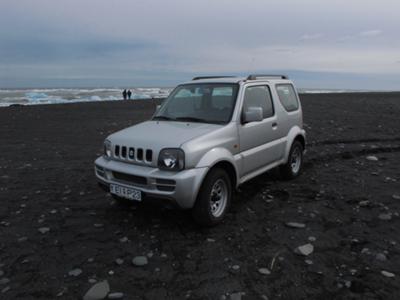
x=287, y=96
x=259, y=96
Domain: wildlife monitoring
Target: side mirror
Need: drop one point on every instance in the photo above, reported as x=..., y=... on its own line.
x=253, y=114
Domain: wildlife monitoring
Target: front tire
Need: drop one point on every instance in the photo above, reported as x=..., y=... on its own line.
x=214, y=198
x=294, y=165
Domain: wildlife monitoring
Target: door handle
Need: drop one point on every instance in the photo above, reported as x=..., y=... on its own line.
x=274, y=125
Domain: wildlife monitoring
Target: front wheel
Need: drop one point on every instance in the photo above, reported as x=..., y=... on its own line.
x=214, y=198
x=294, y=165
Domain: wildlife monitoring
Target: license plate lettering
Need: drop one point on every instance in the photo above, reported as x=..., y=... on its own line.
x=126, y=192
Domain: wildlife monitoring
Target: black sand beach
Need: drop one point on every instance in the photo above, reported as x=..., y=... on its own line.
x=54, y=219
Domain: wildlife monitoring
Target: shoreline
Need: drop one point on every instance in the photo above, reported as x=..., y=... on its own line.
x=160, y=99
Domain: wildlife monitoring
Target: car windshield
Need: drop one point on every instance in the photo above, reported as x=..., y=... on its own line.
x=203, y=102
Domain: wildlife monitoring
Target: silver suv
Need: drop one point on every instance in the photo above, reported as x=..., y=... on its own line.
x=208, y=137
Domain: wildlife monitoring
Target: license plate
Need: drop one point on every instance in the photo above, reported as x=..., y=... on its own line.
x=126, y=192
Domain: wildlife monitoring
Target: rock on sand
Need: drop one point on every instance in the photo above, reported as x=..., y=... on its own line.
x=98, y=291
x=372, y=158
x=387, y=274
x=305, y=250
x=140, y=261
x=295, y=225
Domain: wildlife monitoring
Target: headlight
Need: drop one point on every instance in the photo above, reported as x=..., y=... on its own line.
x=172, y=159
x=107, y=148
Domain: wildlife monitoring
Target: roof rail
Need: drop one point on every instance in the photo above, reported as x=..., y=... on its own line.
x=211, y=77
x=258, y=76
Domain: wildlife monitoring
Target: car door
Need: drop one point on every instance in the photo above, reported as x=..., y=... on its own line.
x=258, y=140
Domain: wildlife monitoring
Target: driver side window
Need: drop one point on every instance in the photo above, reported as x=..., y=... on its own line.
x=259, y=96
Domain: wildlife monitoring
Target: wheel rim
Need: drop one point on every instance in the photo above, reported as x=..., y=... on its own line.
x=295, y=161
x=218, y=198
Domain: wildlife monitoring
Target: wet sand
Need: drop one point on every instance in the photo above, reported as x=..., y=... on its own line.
x=349, y=205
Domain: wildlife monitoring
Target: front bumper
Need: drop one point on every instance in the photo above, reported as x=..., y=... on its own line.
x=179, y=187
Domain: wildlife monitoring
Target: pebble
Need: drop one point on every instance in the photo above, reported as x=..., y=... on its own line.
x=97, y=225
x=347, y=283
x=210, y=240
x=22, y=239
x=119, y=261
x=4, y=281
x=295, y=225
x=312, y=238
x=235, y=267
x=372, y=158
x=365, y=251
x=264, y=271
x=387, y=274
x=396, y=197
x=5, y=290
x=44, y=230
x=308, y=261
x=115, y=295
x=140, y=261
x=236, y=296
x=92, y=280
x=98, y=291
x=124, y=239
x=305, y=250
x=385, y=217
x=363, y=203
x=90, y=259
x=380, y=257
x=75, y=272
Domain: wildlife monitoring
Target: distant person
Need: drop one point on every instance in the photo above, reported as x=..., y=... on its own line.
x=129, y=94
x=124, y=94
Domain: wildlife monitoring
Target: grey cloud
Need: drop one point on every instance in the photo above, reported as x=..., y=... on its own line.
x=308, y=37
x=370, y=33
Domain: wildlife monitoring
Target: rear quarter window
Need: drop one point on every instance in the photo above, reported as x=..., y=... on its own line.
x=287, y=96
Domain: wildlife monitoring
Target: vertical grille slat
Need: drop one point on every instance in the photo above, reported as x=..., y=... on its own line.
x=123, y=151
x=149, y=155
x=139, y=154
x=116, y=151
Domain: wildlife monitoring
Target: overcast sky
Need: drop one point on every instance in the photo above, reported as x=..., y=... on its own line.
x=332, y=44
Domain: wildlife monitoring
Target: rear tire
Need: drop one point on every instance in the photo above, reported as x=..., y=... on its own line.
x=294, y=165
x=214, y=198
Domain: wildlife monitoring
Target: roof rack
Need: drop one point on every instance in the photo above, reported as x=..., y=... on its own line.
x=211, y=77
x=258, y=76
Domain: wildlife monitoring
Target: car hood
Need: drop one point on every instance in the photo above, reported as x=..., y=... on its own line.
x=156, y=135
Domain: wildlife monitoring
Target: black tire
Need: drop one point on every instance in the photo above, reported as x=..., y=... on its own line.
x=288, y=171
x=202, y=211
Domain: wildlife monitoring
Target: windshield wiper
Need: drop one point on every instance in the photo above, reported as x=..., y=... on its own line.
x=162, y=118
x=191, y=119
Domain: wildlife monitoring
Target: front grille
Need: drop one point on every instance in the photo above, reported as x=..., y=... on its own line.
x=130, y=178
x=123, y=152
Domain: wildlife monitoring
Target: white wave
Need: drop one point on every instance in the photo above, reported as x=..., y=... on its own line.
x=66, y=95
